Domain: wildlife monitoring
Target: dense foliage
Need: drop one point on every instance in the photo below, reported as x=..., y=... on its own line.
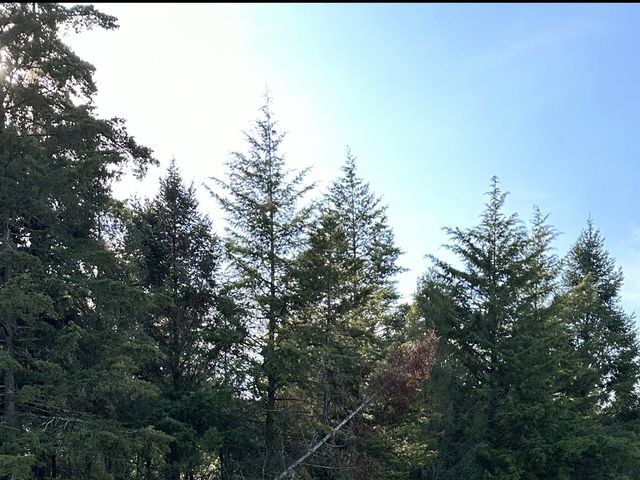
x=136, y=343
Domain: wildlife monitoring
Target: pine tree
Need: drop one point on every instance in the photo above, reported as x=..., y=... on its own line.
x=346, y=278
x=604, y=334
x=372, y=253
x=498, y=388
x=605, y=341
x=68, y=346
x=265, y=225
x=178, y=259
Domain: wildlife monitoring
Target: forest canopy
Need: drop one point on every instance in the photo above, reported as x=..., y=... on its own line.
x=138, y=343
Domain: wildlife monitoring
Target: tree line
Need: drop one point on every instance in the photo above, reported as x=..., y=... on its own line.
x=136, y=343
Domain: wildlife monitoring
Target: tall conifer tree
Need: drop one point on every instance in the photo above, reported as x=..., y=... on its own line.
x=346, y=275
x=262, y=198
x=605, y=340
x=499, y=390
x=604, y=335
x=68, y=346
x=177, y=260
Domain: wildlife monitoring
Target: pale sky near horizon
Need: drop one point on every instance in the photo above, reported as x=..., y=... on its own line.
x=432, y=99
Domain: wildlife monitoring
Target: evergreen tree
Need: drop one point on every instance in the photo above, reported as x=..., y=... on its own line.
x=136, y=344
x=177, y=259
x=605, y=341
x=346, y=278
x=498, y=387
x=265, y=225
x=372, y=253
x=604, y=335
x=72, y=406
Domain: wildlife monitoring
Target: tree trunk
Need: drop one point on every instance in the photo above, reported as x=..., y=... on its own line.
x=10, y=328
x=174, y=470
x=9, y=383
x=271, y=342
x=223, y=465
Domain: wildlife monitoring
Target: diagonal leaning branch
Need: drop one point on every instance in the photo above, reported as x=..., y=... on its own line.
x=405, y=369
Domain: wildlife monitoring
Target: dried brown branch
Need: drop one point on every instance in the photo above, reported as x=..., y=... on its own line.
x=405, y=369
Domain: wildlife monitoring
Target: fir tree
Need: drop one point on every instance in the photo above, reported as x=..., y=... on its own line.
x=68, y=346
x=261, y=198
x=605, y=341
x=176, y=259
x=346, y=278
x=604, y=335
x=498, y=388
x=372, y=253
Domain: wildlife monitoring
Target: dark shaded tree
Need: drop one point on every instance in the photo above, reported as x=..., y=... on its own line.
x=605, y=341
x=347, y=294
x=177, y=261
x=68, y=346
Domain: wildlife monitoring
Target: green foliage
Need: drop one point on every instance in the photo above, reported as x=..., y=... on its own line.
x=265, y=225
x=346, y=294
x=175, y=258
x=606, y=346
x=499, y=388
x=137, y=344
x=63, y=337
x=604, y=335
x=18, y=467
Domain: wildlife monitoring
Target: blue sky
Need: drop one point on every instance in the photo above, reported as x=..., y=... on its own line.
x=432, y=99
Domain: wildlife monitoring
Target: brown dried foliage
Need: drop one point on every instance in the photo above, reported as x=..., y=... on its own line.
x=394, y=384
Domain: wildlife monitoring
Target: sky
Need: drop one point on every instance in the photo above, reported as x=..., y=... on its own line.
x=432, y=99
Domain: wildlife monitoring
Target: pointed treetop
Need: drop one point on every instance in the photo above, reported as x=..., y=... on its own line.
x=268, y=101
x=350, y=165
x=589, y=257
x=172, y=176
x=496, y=196
x=173, y=172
